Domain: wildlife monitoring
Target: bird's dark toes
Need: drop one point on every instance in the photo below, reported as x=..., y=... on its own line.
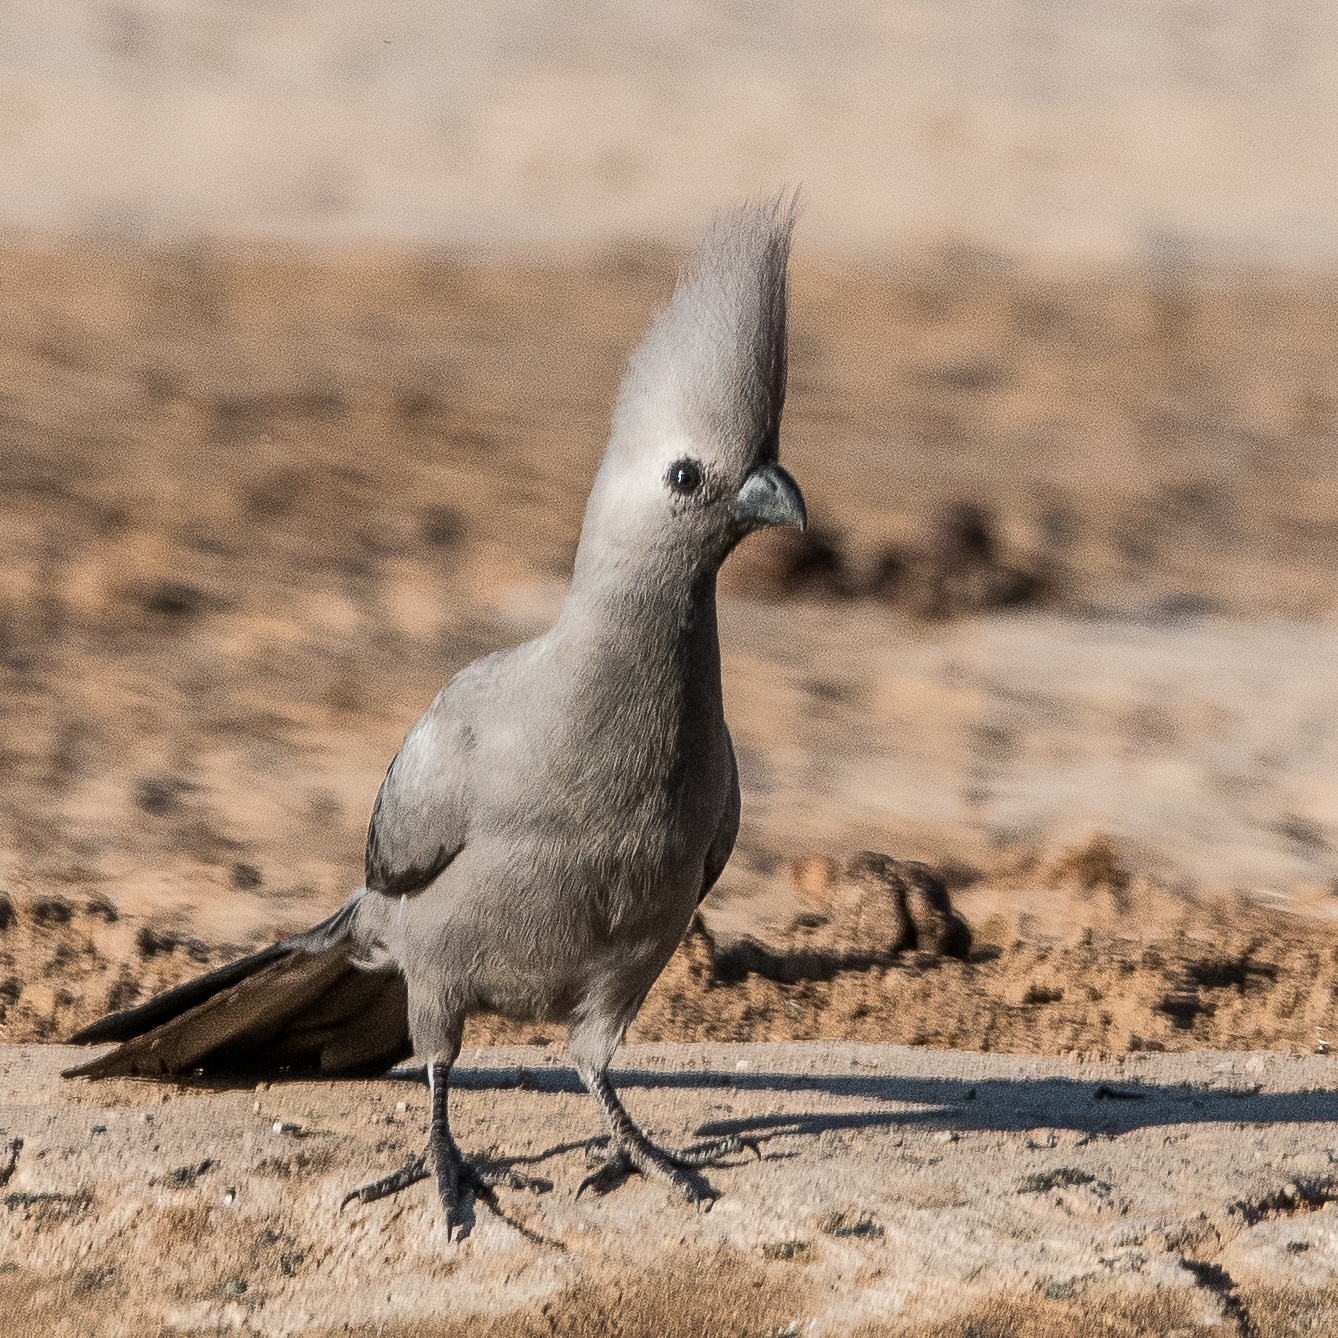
x=604, y=1180
x=697, y=1193
x=599, y=1152
x=450, y=1182
x=707, y=1154
x=456, y=1193
x=414, y=1170
x=656, y=1164
x=612, y=1164
x=505, y=1177
x=610, y=1171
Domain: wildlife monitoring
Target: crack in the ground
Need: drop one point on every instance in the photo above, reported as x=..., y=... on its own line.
x=1214, y=1279
x=10, y=1159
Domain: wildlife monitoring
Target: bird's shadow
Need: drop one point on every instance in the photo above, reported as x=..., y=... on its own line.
x=469, y=1218
x=1087, y=1106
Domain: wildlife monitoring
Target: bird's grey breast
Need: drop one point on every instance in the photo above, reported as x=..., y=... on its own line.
x=608, y=765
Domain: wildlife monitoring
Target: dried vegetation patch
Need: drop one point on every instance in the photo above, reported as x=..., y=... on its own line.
x=876, y=952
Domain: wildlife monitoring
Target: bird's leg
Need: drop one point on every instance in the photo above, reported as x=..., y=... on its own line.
x=628, y=1149
x=441, y=1157
x=456, y=1178
x=441, y=1148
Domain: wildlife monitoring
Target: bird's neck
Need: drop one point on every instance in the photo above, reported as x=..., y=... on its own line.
x=640, y=640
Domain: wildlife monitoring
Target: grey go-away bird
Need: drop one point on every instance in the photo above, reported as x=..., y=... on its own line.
x=548, y=827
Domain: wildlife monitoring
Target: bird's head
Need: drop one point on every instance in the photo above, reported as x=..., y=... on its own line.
x=691, y=466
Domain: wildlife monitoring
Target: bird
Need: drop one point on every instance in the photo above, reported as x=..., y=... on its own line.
x=548, y=828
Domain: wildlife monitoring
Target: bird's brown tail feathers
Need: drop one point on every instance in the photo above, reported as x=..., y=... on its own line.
x=282, y=1009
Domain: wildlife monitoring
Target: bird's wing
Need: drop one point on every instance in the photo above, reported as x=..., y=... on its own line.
x=421, y=814
x=722, y=845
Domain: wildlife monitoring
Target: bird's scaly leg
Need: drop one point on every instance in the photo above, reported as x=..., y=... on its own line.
x=455, y=1177
x=628, y=1149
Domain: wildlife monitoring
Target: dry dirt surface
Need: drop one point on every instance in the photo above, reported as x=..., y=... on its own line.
x=1132, y=968
x=898, y=1192
x=1064, y=629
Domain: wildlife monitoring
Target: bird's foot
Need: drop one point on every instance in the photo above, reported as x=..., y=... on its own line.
x=455, y=1178
x=613, y=1162
x=459, y=1182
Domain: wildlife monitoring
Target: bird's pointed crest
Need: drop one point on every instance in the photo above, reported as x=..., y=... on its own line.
x=712, y=367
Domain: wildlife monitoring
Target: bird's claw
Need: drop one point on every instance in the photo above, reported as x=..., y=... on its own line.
x=413, y=1170
x=588, y=1181
x=611, y=1168
x=614, y=1163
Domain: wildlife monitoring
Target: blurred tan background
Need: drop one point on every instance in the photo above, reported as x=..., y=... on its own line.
x=311, y=317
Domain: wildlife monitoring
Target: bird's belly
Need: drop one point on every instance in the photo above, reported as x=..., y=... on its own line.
x=527, y=930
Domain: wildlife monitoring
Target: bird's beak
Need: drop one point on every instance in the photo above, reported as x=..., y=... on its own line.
x=769, y=496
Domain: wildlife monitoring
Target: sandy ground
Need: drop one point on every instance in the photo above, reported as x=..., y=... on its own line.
x=254, y=510
x=899, y=1191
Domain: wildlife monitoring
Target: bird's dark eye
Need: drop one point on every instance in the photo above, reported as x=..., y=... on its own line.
x=685, y=477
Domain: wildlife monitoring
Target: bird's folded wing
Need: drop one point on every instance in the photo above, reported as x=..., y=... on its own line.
x=422, y=809
x=722, y=844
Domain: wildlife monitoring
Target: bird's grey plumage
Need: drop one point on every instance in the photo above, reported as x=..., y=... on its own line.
x=540, y=842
